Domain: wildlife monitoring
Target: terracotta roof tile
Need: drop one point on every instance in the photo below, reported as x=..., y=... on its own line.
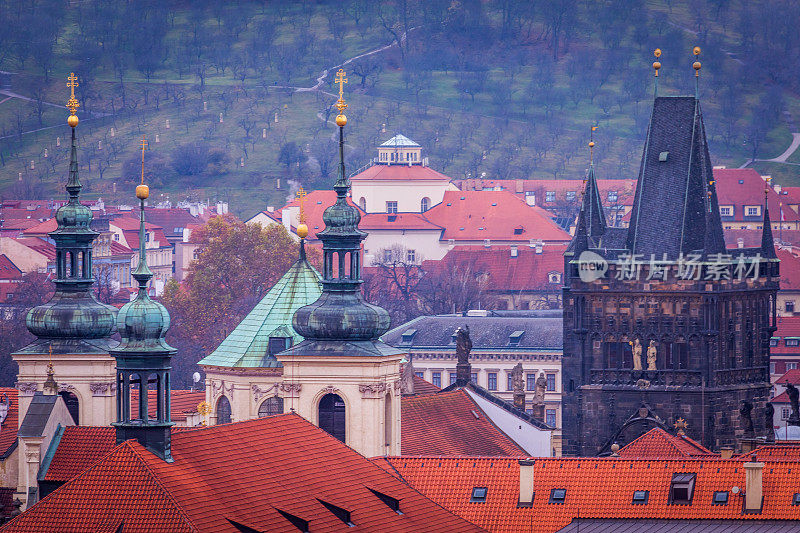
x=792, y=376
x=659, y=444
x=8, y=270
x=451, y=423
x=596, y=488
x=400, y=173
x=8, y=431
x=421, y=386
x=244, y=472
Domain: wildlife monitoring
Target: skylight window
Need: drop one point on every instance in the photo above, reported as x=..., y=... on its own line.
x=558, y=495
x=640, y=497
x=478, y=494
x=663, y=156
x=796, y=498
x=720, y=497
x=681, y=489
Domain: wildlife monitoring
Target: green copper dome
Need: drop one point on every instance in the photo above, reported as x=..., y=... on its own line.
x=73, y=321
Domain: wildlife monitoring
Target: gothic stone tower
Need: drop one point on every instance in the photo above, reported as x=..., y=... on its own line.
x=676, y=327
x=73, y=329
x=341, y=377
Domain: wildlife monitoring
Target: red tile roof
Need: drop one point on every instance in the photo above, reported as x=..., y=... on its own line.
x=494, y=215
x=400, y=173
x=79, y=448
x=422, y=386
x=42, y=228
x=782, y=451
x=596, y=488
x=750, y=192
x=792, y=376
x=8, y=270
x=130, y=229
x=527, y=271
x=451, y=423
x=8, y=430
x=659, y=444
x=182, y=403
x=314, y=206
x=120, y=249
x=790, y=270
x=404, y=221
x=244, y=472
x=625, y=188
x=788, y=326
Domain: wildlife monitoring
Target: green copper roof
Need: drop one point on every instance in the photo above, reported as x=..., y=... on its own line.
x=247, y=344
x=399, y=140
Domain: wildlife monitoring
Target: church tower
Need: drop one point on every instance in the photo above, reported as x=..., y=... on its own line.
x=143, y=359
x=664, y=326
x=341, y=377
x=73, y=325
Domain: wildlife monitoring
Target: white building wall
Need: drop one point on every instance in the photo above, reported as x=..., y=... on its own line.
x=407, y=194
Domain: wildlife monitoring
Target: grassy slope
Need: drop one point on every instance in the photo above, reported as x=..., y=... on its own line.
x=453, y=118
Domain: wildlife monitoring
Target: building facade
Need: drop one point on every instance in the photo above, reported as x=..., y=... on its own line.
x=660, y=322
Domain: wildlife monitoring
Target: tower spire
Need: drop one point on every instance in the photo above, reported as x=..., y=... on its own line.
x=767, y=242
x=144, y=357
x=302, y=228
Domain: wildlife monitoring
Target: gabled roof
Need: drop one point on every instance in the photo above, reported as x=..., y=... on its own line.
x=46, y=248
x=422, y=387
x=247, y=344
x=451, y=423
x=399, y=172
x=792, y=376
x=595, y=488
x=779, y=451
x=42, y=228
x=247, y=473
x=493, y=215
x=744, y=186
x=8, y=270
x=399, y=140
x=658, y=444
x=130, y=230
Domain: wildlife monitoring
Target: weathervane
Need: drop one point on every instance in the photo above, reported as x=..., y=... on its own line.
x=301, y=195
x=591, y=145
x=72, y=103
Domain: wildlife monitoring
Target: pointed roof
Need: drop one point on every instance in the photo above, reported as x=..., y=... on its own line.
x=399, y=140
x=247, y=344
x=767, y=242
x=593, y=207
x=659, y=444
x=675, y=209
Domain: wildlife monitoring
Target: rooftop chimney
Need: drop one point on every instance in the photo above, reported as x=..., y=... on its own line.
x=525, y=483
x=753, y=492
x=726, y=452
x=514, y=251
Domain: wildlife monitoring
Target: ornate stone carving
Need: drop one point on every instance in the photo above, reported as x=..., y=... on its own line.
x=373, y=390
x=219, y=387
x=103, y=389
x=26, y=388
x=330, y=389
x=65, y=387
x=290, y=388
x=258, y=392
x=643, y=384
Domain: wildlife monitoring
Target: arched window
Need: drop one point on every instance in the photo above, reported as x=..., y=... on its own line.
x=271, y=406
x=73, y=406
x=223, y=411
x=332, y=415
x=424, y=204
x=362, y=203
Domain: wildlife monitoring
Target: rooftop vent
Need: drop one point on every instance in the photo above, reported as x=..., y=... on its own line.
x=391, y=503
x=338, y=512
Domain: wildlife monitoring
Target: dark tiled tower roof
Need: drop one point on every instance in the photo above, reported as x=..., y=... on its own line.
x=767, y=242
x=675, y=209
x=591, y=224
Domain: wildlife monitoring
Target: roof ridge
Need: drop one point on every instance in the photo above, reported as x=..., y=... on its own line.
x=157, y=480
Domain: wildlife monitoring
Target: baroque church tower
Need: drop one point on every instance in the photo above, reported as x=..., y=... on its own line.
x=73, y=329
x=341, y=377
x=664, y=327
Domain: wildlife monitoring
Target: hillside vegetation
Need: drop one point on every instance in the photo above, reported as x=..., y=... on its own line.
x=499, y=87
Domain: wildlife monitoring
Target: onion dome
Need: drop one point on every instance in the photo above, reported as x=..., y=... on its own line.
x=73, y=321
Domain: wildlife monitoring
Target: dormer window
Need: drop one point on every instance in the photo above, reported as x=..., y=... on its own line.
x=681, y=489
x=752, y=210
x=408, y=337
x=726, y=210
x=515, y=338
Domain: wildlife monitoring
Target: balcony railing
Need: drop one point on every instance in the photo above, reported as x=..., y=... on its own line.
x=753, y=374
x=627, y=376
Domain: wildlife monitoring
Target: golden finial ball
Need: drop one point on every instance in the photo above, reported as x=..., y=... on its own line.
x=72, y=120
x=656, y=65
x=657, y=52
x=341, y=120
x=302, y=231
x=591, y=144
x=696, y=65
x=696, y=51
x=142, y=192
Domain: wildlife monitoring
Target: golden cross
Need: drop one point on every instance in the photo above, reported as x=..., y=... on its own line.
x=341, y=80
x=143, y=144
x=72, y=103
x=301, y=195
